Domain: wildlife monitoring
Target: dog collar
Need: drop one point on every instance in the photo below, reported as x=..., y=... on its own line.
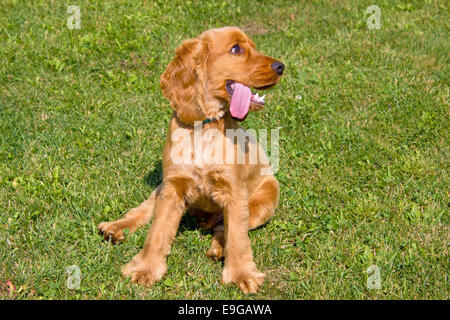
x=208, y=120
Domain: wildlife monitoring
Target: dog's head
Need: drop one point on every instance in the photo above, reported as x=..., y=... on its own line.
x=215, y=72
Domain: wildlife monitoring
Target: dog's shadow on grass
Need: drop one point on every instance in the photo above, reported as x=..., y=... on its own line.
x=153, y=179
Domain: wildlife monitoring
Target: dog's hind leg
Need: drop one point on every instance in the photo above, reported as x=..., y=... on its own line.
x=135, y=218
x=263, y=202
x=217, y=242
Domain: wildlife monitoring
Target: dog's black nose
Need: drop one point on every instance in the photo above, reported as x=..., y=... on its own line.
x=278, y=67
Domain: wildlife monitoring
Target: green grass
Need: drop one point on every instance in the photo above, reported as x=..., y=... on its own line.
x=363, y=153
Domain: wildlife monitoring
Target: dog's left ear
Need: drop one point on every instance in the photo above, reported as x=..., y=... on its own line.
x=184, y=81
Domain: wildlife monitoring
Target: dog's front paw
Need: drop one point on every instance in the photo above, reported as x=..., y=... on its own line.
x=110, y=231
x=144, y=274
x=247, y=279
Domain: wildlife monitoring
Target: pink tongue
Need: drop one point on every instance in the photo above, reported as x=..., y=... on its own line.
x=240, y=101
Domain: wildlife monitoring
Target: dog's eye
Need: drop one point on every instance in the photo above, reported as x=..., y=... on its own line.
x=237, y=49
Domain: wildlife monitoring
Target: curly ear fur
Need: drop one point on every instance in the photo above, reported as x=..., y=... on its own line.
x=184, y=81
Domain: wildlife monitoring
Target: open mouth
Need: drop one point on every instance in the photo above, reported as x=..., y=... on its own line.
x=242, y=97
x=254, y=97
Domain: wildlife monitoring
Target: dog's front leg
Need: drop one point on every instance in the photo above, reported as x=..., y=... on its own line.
x=149, y=265
x=239, y=266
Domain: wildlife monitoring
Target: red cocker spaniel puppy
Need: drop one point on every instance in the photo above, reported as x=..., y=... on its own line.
x=208, y=86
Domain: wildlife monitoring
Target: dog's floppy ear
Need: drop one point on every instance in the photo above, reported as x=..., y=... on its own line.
x=184, y=81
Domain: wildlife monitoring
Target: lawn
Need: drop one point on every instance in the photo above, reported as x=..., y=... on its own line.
x=364, y=147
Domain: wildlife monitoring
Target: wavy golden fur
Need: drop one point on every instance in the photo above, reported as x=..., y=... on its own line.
x=230, y=199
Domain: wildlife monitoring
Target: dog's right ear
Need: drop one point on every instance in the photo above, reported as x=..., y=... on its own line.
x=184, y=81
